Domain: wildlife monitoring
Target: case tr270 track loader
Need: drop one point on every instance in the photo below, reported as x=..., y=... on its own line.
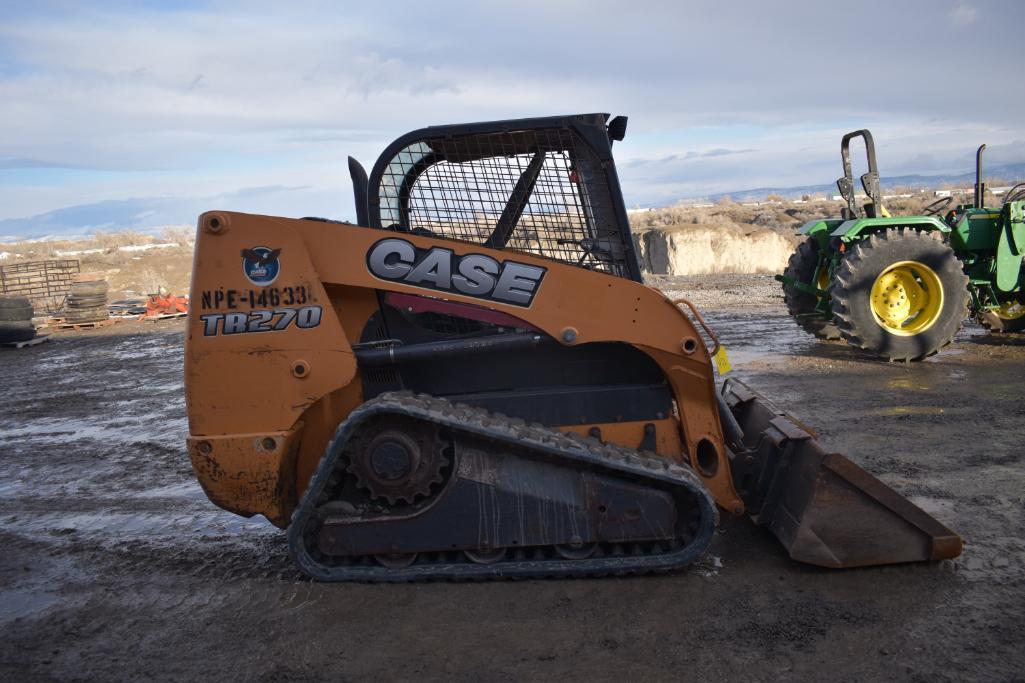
x=473, y=382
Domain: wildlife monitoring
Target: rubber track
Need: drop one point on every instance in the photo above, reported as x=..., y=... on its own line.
x=553, y=445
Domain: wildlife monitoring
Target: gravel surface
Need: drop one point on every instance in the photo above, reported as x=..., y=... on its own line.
x=116, y=567
x=724, y=292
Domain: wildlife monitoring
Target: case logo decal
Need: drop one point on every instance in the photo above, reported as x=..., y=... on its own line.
x=440, y=269
x=260, y=265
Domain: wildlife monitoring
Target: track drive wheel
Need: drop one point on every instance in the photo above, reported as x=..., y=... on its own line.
x=804, y=267
x=901, y=294
x=1010, y=317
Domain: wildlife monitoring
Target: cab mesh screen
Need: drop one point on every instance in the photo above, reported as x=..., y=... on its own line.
x=539, y=191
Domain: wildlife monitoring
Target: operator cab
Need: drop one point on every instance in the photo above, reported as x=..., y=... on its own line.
x=546, y=186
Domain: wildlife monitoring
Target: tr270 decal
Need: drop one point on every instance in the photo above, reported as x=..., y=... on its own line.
x=274, y=320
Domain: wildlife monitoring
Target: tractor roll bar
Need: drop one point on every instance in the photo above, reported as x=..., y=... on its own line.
x=869, y=181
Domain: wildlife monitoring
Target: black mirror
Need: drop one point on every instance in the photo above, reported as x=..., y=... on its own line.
x=617, y=128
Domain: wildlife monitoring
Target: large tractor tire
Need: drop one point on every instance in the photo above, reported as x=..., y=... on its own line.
x=13, y=301
x=901, y=294
x=86, y=315
x=804, y=267
x=95, y=288
x=1010, y=317
x=75, y=301
x=13, y=308
x=87, y=300
x=16, y=331
x=20, y=313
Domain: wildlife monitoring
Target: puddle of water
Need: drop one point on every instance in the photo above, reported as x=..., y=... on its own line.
x=943, y=355
x=118, y=429
x=909, y=410
x=134, y=349
x=937, y=507
x=118, y=526
x=908, y=384
x=20, y=604
x=754, y=336
x=61, y=360
x=188, y=490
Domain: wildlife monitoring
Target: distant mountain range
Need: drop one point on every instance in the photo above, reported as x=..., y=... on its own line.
x=147, y=215
x=73, y=222
x=151, y=215
x=1009, y=174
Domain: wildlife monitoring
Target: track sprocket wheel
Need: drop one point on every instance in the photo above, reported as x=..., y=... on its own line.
x=399, y=461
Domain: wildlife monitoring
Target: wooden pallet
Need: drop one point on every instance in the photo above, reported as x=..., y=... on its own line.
x=30, y=342
x=164, y=316
x=61, y=325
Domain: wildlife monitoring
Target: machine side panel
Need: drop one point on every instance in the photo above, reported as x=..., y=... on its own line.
x=242, y=382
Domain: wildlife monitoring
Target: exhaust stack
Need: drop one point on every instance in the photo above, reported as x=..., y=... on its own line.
x=980, y=187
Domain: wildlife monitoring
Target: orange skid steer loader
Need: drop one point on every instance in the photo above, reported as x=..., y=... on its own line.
x=473, y=382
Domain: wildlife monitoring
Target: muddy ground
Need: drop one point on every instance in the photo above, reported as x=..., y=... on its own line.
x=115, y=567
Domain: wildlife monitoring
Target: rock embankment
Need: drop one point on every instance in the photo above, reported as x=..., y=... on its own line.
x=700, y=250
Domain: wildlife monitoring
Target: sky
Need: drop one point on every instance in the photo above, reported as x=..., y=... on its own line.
x=132, y=114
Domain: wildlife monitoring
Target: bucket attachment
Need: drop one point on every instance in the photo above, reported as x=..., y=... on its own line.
x=823, y=508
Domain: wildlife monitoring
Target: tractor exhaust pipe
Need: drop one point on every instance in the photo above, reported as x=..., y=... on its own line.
x=823, y=508
x=980, y=187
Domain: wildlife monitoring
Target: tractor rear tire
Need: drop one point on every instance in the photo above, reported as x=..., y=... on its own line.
x=901, y=294
x=803, y=267
x=1002, y=320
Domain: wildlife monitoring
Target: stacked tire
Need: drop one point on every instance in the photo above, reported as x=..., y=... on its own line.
x=16, y=319
x=87, y=299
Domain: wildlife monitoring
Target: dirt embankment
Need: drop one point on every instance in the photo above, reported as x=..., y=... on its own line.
x=685, y=240
x=698, y=250
x=675, y=241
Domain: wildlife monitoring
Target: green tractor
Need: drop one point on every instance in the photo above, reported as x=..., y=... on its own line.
x=901, y=286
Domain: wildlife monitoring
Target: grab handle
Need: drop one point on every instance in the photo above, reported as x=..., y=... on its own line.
x=701, y=321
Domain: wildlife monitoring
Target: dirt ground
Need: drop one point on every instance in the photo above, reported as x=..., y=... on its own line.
x=114, y=566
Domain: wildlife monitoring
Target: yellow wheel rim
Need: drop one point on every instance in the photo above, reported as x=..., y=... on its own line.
x=907, y=298
x=1010, y=310
x=822, y=281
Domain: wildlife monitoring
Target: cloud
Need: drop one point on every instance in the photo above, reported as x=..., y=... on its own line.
x=963, y=15
x=213, y=97
x=721, y=152
x=686, y=156
x=7, y=163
